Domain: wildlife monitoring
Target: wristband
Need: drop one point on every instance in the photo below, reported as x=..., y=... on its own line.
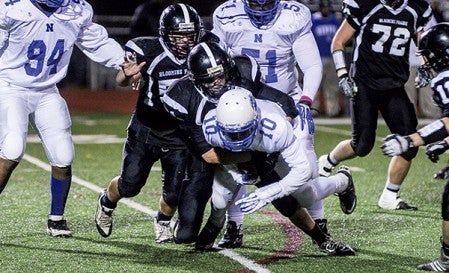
x=433, y=132
x=339, y=59
x=306, y=100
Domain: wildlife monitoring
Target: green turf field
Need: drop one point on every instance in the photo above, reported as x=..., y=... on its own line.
x=385, y=241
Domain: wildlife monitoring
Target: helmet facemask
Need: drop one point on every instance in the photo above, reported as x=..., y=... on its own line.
x=261, y=12
x=394, y=4
x=51, y=4
x=180, y=43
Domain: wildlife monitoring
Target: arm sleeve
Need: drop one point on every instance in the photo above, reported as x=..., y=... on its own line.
x=95, y=43
x=308, y=58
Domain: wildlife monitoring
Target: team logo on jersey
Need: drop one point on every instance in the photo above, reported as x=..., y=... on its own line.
x=258, y=38
x=49, y=27
x=171, y=73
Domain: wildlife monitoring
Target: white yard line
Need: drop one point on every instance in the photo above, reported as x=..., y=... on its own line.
x=251, y=265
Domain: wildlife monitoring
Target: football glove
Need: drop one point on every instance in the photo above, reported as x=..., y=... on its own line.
x=247, y=178
x=435, y=149
x=395, y=144
x=423, y=76
x=305, y=117
x=347, y=86
x=250, y=202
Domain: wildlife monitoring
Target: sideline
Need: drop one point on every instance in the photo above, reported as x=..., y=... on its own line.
x=249, y=264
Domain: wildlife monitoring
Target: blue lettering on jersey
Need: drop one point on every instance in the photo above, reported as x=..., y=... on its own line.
x=258, y=38
x=11, y=2
x=49, y=27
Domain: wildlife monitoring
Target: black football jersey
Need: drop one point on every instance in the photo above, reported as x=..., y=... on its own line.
x=186, y=103
x=383, y=37
x=162, y=68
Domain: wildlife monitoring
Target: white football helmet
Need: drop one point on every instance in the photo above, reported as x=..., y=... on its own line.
x=237, y=119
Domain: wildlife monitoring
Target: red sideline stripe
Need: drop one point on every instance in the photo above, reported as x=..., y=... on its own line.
x=295, y=240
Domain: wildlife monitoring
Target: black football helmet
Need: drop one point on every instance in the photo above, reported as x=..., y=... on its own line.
x=211, y=70
x=181, y=28
x=434, y=46
x=392, y=3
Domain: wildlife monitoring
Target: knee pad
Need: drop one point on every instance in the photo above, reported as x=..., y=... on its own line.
x=410, y=154
x=126, y=189
x=184, y=234
x=13, y=146
x=60, y=150
x=171, y=198
x=445, y=203
x=286, y=205
x=363, y=149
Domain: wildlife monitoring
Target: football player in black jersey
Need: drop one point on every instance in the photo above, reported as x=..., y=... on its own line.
x=153, y=133
x=434, y=46
x=383, y=31
x=211, y=73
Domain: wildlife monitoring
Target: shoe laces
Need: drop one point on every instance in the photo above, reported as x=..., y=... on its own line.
x=105, y=216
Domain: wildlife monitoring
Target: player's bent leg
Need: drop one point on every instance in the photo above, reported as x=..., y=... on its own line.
x=233, y=236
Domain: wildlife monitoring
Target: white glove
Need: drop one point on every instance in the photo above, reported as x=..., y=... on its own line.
x=347, y=86
x=395, y=144
x=250, y=203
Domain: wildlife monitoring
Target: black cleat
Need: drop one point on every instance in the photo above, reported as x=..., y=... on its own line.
x=58, y=229
x=233, y=236
x=335, y=248
x=443, y=173
x=348, y=198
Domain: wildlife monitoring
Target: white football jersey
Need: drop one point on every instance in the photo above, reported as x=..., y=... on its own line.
x=36, y=46
x=272, y=45
x=274, y=134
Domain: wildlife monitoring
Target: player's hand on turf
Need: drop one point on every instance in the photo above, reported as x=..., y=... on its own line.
x=395, y=144
x=250, y=203
x=435, y=149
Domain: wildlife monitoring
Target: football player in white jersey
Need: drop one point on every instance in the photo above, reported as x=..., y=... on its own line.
x=241, y=123
x=278, y=35
x=36, y=42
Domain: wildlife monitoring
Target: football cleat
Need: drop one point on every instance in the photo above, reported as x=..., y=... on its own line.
x=442, y=174
x=440, y=264
x=103, y=217
x=390, y=200
x=325, y=167
x=233, y=236
x=207, y=236
x=335, y=248
x=348, y=198
x=58, y=228
x=322, y=224
x=162, y=231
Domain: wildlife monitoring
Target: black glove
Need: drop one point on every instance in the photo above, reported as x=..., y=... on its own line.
x=435, y=149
